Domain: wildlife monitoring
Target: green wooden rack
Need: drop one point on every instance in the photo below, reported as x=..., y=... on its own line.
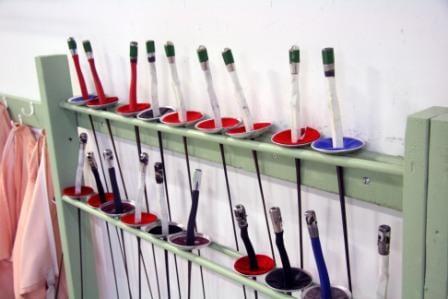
x=416, y=184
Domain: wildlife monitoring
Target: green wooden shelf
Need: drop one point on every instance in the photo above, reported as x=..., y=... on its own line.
x=201, y=261
x=415, y=184
x=370, y=177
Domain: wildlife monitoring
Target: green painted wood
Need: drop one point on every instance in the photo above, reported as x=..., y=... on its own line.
x=201, y=261
x=415, y=189
x=425, y=238
x=15, y=105
x=384, y=171
x=60, y=124
x=364, y=160
x=436, y=279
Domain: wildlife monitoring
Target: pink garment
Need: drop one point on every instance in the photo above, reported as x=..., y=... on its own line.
x=35, y=254
x=36, y=248
x=13, y=179
x=6, y=281
x=5, y=126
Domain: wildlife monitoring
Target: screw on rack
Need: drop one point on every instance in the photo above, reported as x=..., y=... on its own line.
x=366, y=180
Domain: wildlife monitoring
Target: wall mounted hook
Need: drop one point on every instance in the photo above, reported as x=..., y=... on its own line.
x=31, y=111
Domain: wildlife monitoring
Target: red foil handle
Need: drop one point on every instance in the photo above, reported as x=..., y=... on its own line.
x=133, y=89
x=82, y=82
x=96, y=79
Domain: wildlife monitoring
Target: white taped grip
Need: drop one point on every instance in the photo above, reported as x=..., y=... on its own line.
x=164, y=209
x=295, y=108
x=213, y=98
x=80, y=169
x=337, y=134
x=178, y=92
x=242, y=103
x=154, y=91
x=140, y=194
x=383, y=277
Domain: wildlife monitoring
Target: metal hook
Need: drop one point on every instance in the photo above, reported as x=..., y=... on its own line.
x=30, y=113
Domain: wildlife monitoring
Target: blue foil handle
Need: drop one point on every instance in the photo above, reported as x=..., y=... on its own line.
x=325, y=285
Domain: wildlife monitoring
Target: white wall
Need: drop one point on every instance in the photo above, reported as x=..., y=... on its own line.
x=214, y=220
x=390, y=59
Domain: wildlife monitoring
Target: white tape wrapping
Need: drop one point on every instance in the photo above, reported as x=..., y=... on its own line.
x=154, y=91
x=140, y=194
x=80, y=169
x=164, y=209
x=242, y=103
x=213, y=98
x=178, y=93
x=383, y=277
x=295, y=108
x=337, y=134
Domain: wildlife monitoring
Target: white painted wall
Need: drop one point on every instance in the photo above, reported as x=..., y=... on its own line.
x=390, y=59
x=362, y=218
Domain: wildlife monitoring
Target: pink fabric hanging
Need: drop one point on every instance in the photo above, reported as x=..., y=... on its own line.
x=5, y=266
x=6, y=280
x=36, y=270
x=5, y=126
x=13, y=178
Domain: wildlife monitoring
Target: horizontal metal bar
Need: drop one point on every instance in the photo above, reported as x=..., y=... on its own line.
x=195, y=259
x=390, y=165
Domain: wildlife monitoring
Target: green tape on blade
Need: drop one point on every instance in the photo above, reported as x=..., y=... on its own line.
x=228, y=57
x=294, y=55
x=87, y=46
x=133, y=50
x=150, y=47
x=169, y=49
x=71, y=43
x=328, y=56
x=202, y=54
